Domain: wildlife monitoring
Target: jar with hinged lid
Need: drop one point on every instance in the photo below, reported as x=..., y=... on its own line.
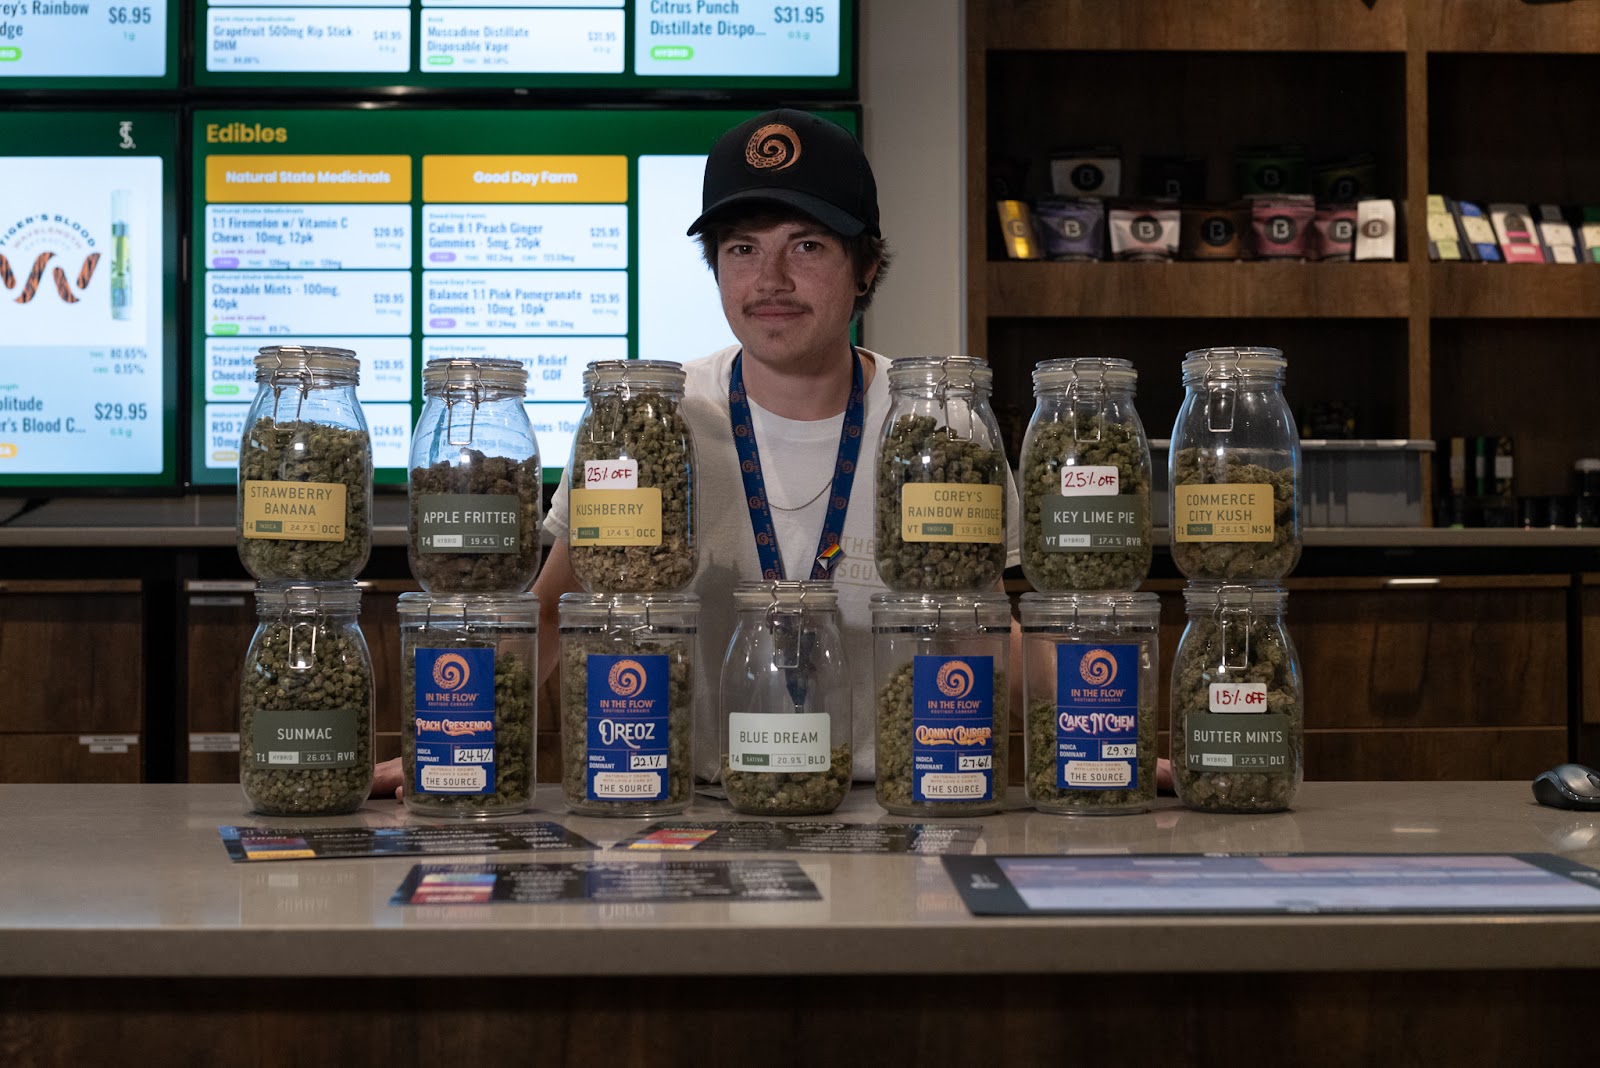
x=1085, y=479
x=942, y=478
x=305, y=468
x=1234, y=469
x=785, y=694
x=627, y=702
x=468, y=705
x=940, y=665
x=630, y=485
x=475, y=480
x=1238, y=707
x=305, y=703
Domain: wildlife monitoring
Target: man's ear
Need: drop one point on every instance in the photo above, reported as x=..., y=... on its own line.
x=866, y=281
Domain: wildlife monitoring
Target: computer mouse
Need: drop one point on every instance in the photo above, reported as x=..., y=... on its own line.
x=1568, y=786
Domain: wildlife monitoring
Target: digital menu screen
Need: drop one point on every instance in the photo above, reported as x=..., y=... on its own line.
x=88, y=331
x=554, y=238
x=88, y=44
x=580, y=44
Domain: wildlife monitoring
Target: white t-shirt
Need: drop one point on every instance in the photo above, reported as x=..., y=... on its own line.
x=797, y=458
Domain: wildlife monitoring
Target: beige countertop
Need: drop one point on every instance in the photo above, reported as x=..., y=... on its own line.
x=134, y=881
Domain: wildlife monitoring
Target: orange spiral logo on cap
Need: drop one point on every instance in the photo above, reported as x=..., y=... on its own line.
x=773, y=147
x=627, y=678
x=1098, y=667
x=450, y=672
x=954, y=679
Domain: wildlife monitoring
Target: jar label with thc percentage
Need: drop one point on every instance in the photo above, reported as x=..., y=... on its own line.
x=952, y=728
x=468, y=522
x=314, y=738
x=1097, y=716
x=1091, y=524
x=628, y=741
x=952, y=511
x=455, y=721
x=615, y=517
x=1226, y=511
x=294, y=511
x=1238, y=743
x=763, y=742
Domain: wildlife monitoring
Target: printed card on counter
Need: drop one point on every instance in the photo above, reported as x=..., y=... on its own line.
x=763, y=836
x=643, y=881
x=344, y=843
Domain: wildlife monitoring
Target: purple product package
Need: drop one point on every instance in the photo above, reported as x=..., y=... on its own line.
x=1333, y=234
x=1072, y=229
x=1282, y=226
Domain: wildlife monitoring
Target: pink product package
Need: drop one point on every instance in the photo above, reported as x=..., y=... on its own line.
x=1282, y=227
x=1333, y=232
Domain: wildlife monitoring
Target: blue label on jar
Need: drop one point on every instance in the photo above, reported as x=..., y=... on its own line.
x=628, y=743
x=952, y=728
x=455, y=721
x=1097, y=717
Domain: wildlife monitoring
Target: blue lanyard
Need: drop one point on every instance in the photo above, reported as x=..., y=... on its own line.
x=755, y=487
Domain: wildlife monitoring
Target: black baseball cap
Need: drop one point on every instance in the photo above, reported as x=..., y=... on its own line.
x=795, y=159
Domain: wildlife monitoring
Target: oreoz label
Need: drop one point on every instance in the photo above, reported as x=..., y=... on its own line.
x=1237, y=743
x=1230, y=511
x=952, y=728
x=615, y=517
x=297, y=511
x=454, y=719
x=628, y=723
x=762, y=742
x=309, y=738
x=1097, y=716
x=1091, y=524
x=952, y=511
x=468, y=522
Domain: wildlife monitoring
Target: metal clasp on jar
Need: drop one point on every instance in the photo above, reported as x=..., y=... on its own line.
x=1244, y=614
x=1096, y=394
x=453, y=392
x=1221, y=394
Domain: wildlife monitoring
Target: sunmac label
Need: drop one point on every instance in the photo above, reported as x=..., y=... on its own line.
x=455, y=721
x=1097, y=716
x=628, y=720
x=952, y=723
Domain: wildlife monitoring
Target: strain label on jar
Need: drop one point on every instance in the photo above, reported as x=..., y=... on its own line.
x=1229, y=511
x=1090, y=481
x=1091, y=524
x=615, y=517
x=468, y=522
x=1097, y=716
x=455, y=721
x=952, y=511
x=293, y=511
x=628, y=741
x=1234, y=743
x=787, y=742
x=952, y=728
x=310, y=738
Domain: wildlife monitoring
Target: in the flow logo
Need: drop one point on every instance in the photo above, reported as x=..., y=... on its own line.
x=627, y=678
x=1098, y=668
x=955, y=679
x=451, y=672
x=774, y=147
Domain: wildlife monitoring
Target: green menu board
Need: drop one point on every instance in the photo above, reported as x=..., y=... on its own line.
x=88, y=318
x=88, y=44
x=549, y=237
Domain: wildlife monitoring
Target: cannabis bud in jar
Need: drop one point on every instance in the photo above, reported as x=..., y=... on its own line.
x=631, y=481
x=305, y=469
x=942, y=478
x=1085, y=479
x=305, y=704
x=475, y=480
x=1238, y=716
x=1235, y=469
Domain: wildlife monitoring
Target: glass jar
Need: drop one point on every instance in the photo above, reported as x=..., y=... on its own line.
x=475, y=480
x=1090, y=699
x=305, y=469
x=627, y=702
x=305, y=703
x=1234, y=469
x=1085, y=479
x=786, y=701
x=1238, y=712
x=939, y=660
x=469, y=678
x=942, y=477
x=631, y=481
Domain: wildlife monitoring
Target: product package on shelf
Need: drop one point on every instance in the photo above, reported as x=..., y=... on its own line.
x=1444, y=235
x=1513, y=226
x=1375, y=227
x=1560, y=243
x=1086, y=172
x=1017, y=230
x=1479, y=231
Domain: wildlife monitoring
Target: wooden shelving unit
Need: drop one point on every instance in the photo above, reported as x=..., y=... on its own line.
x=1516, y=291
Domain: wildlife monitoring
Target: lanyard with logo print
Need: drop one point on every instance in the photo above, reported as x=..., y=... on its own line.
x=755, y=487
